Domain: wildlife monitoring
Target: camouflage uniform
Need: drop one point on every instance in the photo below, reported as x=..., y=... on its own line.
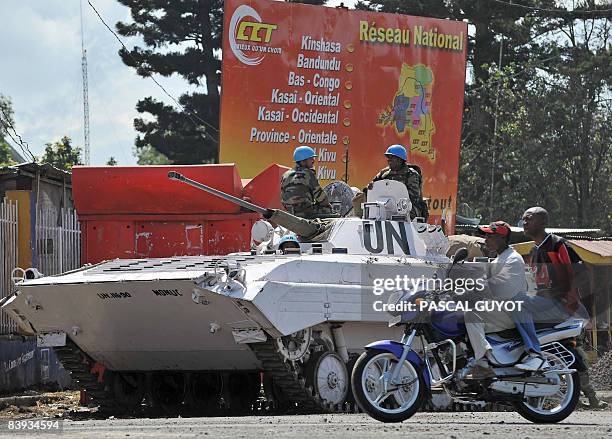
x=411, y=177
x=302, y=195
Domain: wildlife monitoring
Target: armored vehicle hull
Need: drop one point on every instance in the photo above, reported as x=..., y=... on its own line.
x=189, y=314
x=197, y=330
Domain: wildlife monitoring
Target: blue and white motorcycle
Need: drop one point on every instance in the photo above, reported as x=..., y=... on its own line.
x=392, y=379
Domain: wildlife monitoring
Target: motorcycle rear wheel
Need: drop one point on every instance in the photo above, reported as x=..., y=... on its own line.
x=544, y=411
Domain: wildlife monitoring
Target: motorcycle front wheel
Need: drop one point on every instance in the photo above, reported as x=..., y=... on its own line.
x=380, y=399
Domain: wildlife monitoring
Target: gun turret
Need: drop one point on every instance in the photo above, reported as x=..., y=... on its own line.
x=300, y=226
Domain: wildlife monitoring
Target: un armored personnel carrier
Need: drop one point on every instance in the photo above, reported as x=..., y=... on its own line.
x=198, y=330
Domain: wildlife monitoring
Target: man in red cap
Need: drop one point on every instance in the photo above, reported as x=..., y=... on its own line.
x=506, y=279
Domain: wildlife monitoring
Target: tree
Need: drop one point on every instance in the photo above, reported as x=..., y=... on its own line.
x=62, y=154
x=183, y=38
x=575, y=121
x=553, y=144
x=111, y=161
x=5, y=154
x=147, y=155
x=6, y=119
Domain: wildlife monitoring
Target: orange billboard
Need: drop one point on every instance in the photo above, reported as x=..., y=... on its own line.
x=347, y=83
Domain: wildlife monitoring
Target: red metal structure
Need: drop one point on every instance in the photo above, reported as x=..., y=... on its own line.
x=136, y=212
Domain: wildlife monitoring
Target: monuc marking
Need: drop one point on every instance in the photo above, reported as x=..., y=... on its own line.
x=167, y=292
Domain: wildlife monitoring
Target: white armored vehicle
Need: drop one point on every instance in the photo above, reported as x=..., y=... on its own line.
x=198, y=330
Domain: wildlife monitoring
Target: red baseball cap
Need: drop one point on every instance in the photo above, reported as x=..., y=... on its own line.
x=497, y=227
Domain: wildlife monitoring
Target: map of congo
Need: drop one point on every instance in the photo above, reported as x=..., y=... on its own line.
x=411, y=110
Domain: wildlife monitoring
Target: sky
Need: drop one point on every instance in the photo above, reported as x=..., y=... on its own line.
x=40, y=43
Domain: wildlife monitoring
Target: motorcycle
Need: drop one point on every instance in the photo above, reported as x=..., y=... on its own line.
x=391, y=380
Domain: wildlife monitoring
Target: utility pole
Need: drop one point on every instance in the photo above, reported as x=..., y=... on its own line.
x=494, y=142
x=86, y=151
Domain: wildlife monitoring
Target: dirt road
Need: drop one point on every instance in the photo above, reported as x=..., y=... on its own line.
x=581, y=424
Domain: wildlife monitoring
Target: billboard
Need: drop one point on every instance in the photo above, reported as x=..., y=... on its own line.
x=347, y=83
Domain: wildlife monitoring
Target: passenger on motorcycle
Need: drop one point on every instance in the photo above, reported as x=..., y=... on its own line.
x=556, y=297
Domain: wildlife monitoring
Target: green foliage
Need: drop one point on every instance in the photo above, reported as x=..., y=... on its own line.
x=111, y=161
x=5, y=154
x=552, y=146
x=6, y=117
x=62, y=154
x=147, y=155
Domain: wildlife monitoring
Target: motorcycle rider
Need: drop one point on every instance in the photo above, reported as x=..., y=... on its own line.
x=506, y=279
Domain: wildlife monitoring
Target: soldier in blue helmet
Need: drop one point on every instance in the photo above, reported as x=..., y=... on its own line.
x=401, y=171
x=301, y=193
x=289, y=244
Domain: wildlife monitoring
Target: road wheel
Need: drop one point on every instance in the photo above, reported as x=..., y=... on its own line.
x=329, y=378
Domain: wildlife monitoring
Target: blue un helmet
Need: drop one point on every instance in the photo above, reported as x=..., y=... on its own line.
x=288, y=242
x=397, y=151
x=303, y=153
x=289, y=237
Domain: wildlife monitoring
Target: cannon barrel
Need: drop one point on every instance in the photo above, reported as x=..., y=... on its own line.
x=300, y=226
x=267, y=213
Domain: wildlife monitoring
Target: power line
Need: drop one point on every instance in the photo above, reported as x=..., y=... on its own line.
x=8, y=127
x=535, y=8
x=155, y=81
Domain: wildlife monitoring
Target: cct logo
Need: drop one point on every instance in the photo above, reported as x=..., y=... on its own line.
x=248, y=31
x=254, y=34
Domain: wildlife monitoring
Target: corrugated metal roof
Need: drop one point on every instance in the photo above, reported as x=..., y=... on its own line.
x=566, y=231
x=46, y=170
x=599, y=247
x=518, y=236
x=556, y=231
